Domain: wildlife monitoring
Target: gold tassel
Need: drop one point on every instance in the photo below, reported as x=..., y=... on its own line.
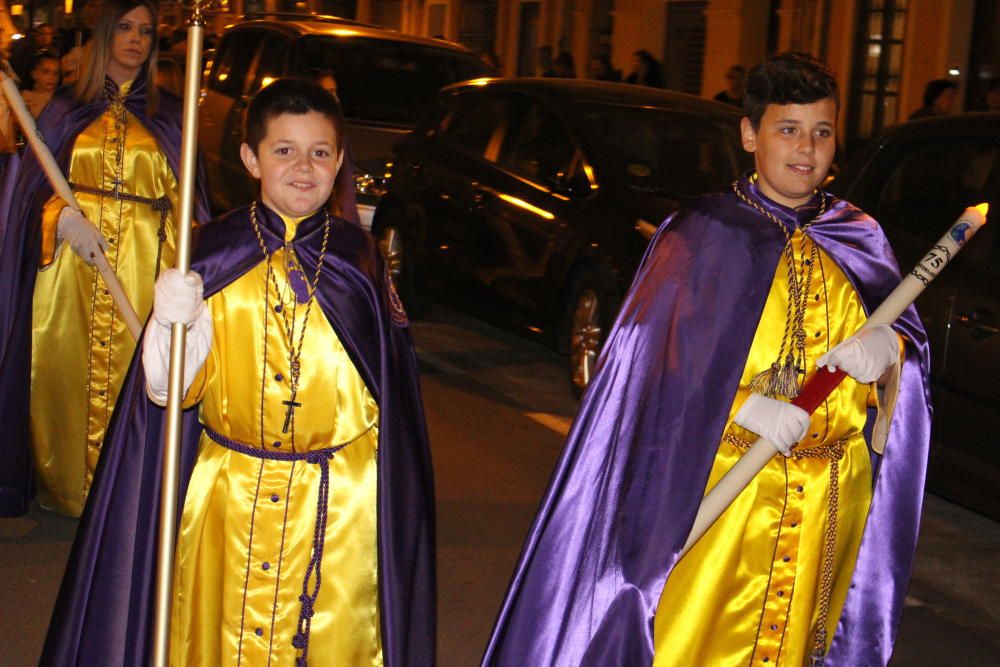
x=763, y=383
x=778, y=381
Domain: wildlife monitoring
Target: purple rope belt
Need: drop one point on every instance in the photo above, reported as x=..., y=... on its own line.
x=322, y=458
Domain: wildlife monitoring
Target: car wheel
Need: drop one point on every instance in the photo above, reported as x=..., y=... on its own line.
x=590, y=310
x=397, y=253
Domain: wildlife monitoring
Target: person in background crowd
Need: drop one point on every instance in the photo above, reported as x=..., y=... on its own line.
x=543, y=61
x=70, y=62
x=646, y=70
x=991, y=100
x=343, y=200
x=75, y=43
x=736, y=80
x=64, y=347
x=24, y=51
x=42, y=82
x=602, y=70
x=170, y=76
x=178, y=41
x=939, y=98
x=563, y=66
x=8, y=138
x=492, y=62
x=38, y=88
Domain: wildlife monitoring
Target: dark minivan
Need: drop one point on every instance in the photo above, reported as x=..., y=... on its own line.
x=531, y=201
x=916, y=179
x=385, y=79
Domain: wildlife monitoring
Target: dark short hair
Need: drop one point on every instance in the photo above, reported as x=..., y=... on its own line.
x=296, y=96
x=788, y=78
x=44, y=55
x=935, y=88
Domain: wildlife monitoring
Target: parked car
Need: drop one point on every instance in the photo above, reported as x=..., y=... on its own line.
x=916, y=179
x=385, y=79
x=531, y=201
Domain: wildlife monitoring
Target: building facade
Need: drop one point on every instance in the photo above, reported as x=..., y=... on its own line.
x=884, y=51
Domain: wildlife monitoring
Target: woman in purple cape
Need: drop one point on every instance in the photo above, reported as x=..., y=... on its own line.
x=64, y=348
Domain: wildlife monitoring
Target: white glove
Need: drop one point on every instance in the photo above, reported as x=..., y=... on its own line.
x=82, y=235
x=866, y=355
x=177, y=298
x=783, y=424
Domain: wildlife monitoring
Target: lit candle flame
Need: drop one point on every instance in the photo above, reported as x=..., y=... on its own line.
x=983, y=208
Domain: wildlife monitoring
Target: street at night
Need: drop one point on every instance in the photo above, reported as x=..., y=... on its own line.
x=497, y=410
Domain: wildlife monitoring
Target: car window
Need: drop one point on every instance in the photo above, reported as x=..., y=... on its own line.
x=539, y=148
x=235, y=56
x=272, y=63
x=930, y=183
x=675, y=154
x=472, y=122
x=383, y=81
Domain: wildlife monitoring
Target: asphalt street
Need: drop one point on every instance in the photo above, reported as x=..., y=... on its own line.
x=497, y=410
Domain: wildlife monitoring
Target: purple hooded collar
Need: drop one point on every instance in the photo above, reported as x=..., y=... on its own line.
x=625, y=491
x=104, y=610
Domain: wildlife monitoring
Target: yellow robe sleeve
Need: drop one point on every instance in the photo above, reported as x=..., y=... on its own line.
x=50, y=223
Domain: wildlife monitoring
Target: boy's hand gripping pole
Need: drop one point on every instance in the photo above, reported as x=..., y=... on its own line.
x=61, y=187
x=824, y=382
x=175, y=386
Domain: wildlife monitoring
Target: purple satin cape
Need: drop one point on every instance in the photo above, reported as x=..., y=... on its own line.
x=104, y=613
x=626, y=489
x=22, y=197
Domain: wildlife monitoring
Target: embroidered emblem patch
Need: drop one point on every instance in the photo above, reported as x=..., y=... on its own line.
x=960, y=232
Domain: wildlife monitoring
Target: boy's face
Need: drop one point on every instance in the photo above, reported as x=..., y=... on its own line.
x=296, y=162
x=793, y=149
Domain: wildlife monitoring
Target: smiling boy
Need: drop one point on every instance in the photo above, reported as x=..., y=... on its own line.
x=306, y=533
x=740, y=298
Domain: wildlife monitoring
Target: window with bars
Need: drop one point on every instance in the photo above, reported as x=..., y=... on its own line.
x=685, y=46
x=878, y=62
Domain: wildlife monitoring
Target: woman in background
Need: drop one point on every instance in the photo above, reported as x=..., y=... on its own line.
x=64, y=347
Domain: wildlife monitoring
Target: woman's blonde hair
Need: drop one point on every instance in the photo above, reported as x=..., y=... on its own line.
x=90, y=86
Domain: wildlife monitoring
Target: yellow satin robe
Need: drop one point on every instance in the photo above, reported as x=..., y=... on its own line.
x=246, y=532
x=81, y=347
x=748, y=592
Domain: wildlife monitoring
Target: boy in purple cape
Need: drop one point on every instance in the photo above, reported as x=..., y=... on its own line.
x=306, y=525
x=741, y=297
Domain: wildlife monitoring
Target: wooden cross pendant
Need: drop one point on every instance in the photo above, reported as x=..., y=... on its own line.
x=292, y=404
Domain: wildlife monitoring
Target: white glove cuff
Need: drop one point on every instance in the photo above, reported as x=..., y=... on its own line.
x=156, y=354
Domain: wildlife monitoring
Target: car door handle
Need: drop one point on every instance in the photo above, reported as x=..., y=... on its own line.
x=979, y=320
